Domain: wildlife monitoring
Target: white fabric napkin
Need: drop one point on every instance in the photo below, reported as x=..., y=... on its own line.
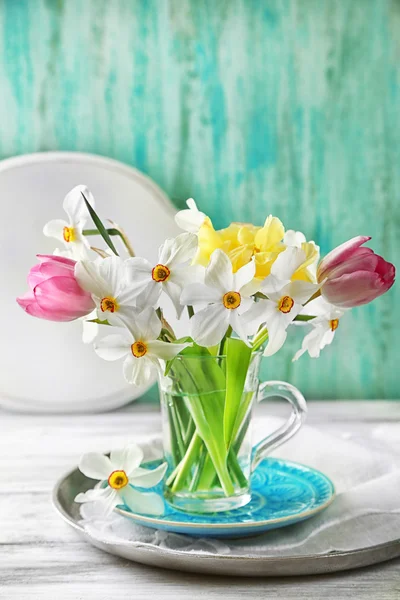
x=365, y=512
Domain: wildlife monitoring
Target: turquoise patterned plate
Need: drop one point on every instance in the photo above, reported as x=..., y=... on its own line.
x=283, y=493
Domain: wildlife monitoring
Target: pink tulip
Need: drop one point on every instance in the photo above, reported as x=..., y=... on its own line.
x=355, y=275
x=55, y=295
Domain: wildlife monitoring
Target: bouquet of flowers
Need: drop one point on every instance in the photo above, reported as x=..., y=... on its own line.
x=239, y=290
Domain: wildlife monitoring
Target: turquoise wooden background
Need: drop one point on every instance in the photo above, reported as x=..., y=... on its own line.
x=250, y=106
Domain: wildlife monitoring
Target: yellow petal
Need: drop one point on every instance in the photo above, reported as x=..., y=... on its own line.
x=312, y=253
x=270, y=235
x=209, y=240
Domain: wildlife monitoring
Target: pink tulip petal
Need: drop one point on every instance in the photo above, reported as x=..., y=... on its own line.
x=43, y=258
x=30, y=306
x=62, y=299
x=355, y=289
x=340, y=254
x=363, y=261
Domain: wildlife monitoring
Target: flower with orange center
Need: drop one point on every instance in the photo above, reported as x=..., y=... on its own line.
x=117, y=480
x=138, y=349
x=285, y=299
x=143, y=353
x=70, y=232
x=285, y=304
x=160, y=273
x=323, y=326
x=231, y=300
x=106, y=280
x=122, y=473
x=227, y=297
x=334, y=323
x=168, y=276
x=108, y=304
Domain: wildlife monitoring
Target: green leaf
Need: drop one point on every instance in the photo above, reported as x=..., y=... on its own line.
x=203, y=384
x=182, y=340
x=102, y=230
x=98, y=321
x=238, y=356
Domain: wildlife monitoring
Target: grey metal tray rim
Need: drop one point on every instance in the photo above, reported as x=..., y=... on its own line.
x=322, y=563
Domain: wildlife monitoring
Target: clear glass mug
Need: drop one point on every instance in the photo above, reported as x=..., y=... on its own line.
x=207, y=431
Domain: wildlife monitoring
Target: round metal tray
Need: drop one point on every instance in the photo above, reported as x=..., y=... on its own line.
x=73, y=482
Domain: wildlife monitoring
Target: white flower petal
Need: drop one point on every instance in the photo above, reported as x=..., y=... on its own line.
x=277, y=334
x=149, y=295
x=112, y=271
x=294, y=238
x=178, y=250
x=244, y=276
x=190, y=219
x=88, y=277
x=138, y=371
x=238, y=325
x=218, y=273
x=165, y=350
x=272, y=287
x=196, y=294
x=138, y=272
x=113, y=347
x=288, y=262
x=91, y=495
x=147, y=478
x=320, y=336
x=74, y=205
x=143, y=503
x=55, y=229
x=208, y=326
x=95, y=466
x=143, y=325
x=173, y=290
x=127, y=459
x=259, y=313
x=301, y=291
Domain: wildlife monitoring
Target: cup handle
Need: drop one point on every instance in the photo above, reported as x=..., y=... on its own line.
x=292, y=425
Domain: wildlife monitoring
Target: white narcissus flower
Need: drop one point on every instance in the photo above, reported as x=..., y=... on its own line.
x=226, y=296
x=191, y=218
x=324, y=327
x=70, y=232
x=139, y=345
x=122, y=471
x=106, y=280
x=285, y=298
x=169, y=275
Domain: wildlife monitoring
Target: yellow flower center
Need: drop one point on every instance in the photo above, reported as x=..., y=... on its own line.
x=285, y=304
x=139, y=349
x=231, y=300
x=118, y=480
x=69, y=234
x=334, y=323
x=160, y=273
x=109, y=304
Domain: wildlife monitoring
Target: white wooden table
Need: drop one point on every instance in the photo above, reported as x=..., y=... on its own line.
x=41, y=558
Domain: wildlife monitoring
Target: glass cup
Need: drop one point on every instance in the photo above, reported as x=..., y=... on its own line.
x=207, y=417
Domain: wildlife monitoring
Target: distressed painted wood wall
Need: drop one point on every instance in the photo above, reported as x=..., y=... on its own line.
x=250, y=106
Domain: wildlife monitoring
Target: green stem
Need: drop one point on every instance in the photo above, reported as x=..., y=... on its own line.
x=187, y=462
x=111, y=231
x=177, y=431
x=260, y=338
x=304, y=318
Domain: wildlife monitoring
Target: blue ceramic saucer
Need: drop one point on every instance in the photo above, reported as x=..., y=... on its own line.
x=283, y=493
